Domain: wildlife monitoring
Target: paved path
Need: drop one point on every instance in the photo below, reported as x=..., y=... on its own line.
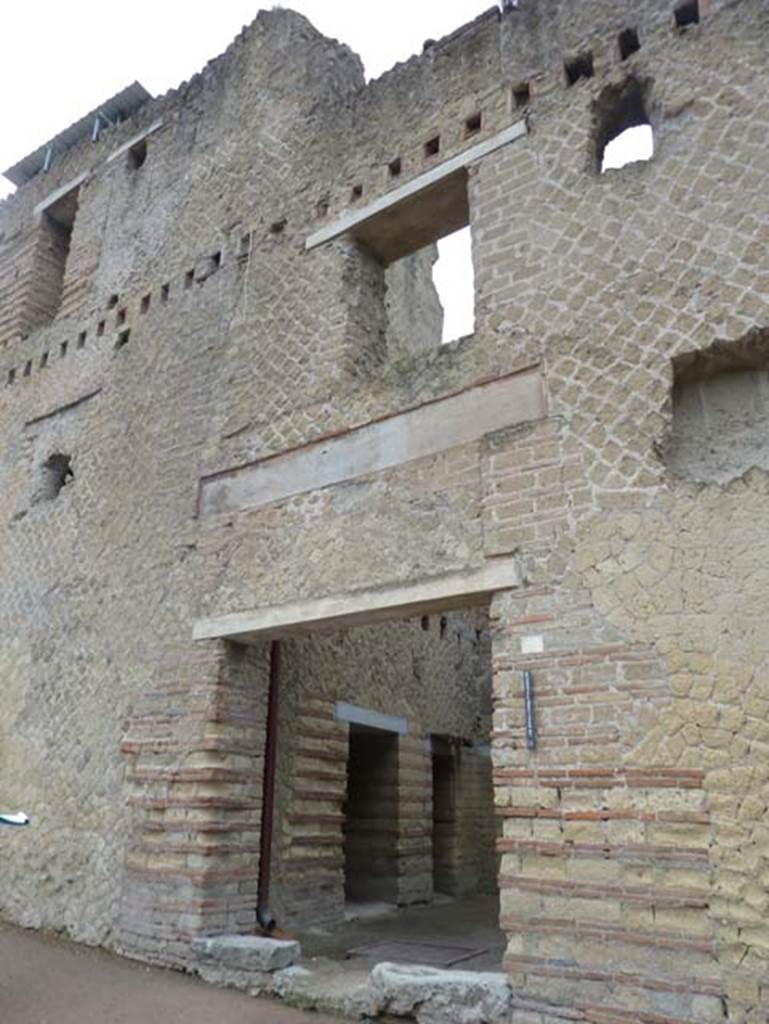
x=44, y=980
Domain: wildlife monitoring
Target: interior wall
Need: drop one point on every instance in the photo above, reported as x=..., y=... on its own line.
x=414, y=310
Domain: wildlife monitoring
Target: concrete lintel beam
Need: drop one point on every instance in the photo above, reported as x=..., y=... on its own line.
x=443, y=593
x=59, y=193
x=134, y=140
x=373, y=219
x=412, y=434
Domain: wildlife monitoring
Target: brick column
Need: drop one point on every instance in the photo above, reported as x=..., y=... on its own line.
x=312, y=843
x=605, y=872
x=194, y=752
x=605, y=869
x=415, y=819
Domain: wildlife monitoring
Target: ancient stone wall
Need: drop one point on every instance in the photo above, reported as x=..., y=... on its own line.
x=634, y=853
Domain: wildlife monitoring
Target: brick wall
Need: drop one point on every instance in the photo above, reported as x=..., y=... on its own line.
x=648, y=782
x=194, y=751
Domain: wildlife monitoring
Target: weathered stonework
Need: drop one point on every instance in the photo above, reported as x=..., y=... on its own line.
x=194, y=333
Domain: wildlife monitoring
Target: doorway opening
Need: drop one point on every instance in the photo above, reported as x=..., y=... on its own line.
x=371, y=818
x=386, y=848
x=444, y=817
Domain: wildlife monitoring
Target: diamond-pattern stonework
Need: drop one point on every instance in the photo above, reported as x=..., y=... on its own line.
x=195, y=334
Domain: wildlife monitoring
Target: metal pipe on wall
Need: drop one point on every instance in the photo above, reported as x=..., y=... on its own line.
x=264, y=915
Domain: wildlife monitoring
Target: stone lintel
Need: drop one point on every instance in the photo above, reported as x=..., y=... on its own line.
x=392, y=226
x=413, y=434
x=443, y=593
x=355, y=715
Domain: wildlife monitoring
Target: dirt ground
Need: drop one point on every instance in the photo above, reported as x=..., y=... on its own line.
x=47, y=980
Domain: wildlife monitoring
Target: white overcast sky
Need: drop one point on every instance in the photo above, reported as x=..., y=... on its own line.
x=60, y=58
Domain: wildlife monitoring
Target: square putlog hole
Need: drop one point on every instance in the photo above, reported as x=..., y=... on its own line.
x=628, y=43
x=433, y=146
x=687, y=13
x=578, y=67
x=473, y=124
x=521, y=95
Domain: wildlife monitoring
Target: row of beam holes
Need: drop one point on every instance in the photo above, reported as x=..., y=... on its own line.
x=576, y=68
x=628, y=43
x=431, y=149
x=631, y=138
x=124, y=334
x=137, y=155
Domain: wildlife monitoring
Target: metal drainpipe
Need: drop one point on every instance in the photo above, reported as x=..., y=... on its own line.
x=264, y=915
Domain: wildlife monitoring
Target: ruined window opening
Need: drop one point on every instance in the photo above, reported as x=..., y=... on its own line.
x=57, y=222
x=321, y=208
x=121, y=317
x=687, y=13
x=81, y=339
x=628, y=43
x=113, y=300
x=279, y=226
x=63, y=349
x=578, y=67
x=454, y=279
x=189, y=279
x=720, y=411
x=53, y=475
x=430, y=295
x=623, y=131
x=357, y=192
x=27, y=368
x=422, y=269
x=100, y=328
x=44, y=360
x=165, y=292
x=522, y=95
x=123, y=338
x=11, y=376
x=145, y=303
x=433, y=146
x=473, y=124
x=425, y=622
x=395, y=167
x=137, y=155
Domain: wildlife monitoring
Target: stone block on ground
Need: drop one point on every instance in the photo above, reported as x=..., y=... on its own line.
x=429, y=995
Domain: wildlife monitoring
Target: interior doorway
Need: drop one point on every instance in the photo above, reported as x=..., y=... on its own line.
x=444, y=817
x=371, y=817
